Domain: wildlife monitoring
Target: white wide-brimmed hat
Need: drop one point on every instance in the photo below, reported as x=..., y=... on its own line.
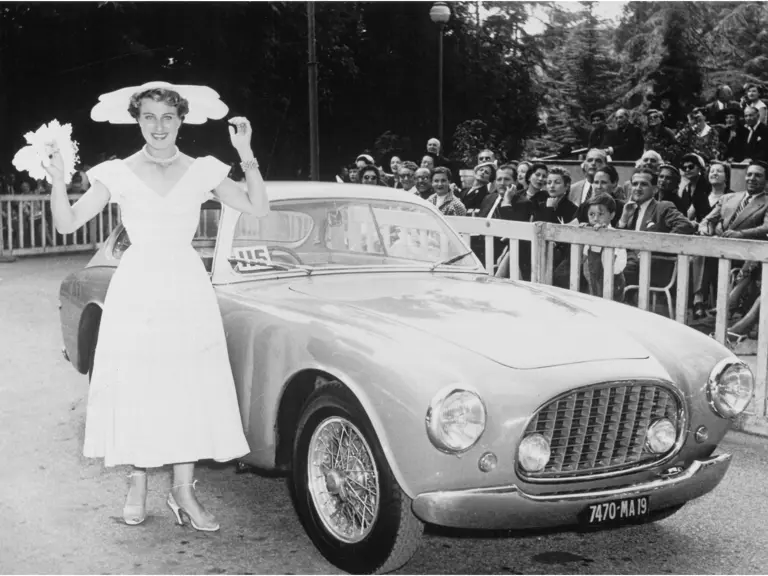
x=204, y=103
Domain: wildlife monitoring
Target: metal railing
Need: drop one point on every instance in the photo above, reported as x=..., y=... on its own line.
x=543, y=237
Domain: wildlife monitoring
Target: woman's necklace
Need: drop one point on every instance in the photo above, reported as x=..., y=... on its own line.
x=160, y=161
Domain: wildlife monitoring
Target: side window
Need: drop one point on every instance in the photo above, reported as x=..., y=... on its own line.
x=360, y=231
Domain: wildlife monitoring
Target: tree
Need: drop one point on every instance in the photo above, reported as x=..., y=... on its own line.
x=579, y=78
x=678, y=70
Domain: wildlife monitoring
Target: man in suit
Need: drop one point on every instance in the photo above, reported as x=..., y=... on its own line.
x=742, y=215
x=485, y=173
x=581, y=191
x=645, y=214
x=599, y=130
x=626, y=141
x=723, y=101
x=756, y=143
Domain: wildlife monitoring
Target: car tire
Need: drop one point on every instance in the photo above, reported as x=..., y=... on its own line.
x=365, y=489
x=92, y=355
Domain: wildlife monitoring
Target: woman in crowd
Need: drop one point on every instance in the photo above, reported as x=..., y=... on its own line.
x=660, y=138
x=369, y=175
x=752, y=98
x=162, y=390
x=699, y=137
x=719, y=176
x=557, y=209
x=536, y=182
x=605, y=181
x=522, y=170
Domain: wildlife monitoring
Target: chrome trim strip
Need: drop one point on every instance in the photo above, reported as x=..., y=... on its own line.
x=624, y=491
x=682, y=415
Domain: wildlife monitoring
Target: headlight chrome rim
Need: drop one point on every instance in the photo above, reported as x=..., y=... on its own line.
x=715, y=402
x=433, y=422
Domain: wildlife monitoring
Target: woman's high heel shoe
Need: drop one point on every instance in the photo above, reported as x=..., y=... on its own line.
x=134, y=514
x=181, y=513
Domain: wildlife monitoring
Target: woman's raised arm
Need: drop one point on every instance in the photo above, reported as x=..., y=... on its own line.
x=66, y=217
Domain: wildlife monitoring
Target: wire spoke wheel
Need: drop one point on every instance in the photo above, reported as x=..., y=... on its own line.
x=343, y=479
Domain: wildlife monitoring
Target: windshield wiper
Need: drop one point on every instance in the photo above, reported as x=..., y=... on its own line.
x=449, y=260
x=271, y=265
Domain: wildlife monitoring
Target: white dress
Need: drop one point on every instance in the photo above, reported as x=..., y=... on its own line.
x=162, y=390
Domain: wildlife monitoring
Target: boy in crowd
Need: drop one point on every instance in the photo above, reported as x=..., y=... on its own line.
x=601, y=212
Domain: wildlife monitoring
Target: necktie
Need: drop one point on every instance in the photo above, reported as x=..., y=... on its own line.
x=742, y=205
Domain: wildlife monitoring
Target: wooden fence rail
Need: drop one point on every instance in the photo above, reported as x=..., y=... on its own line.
x=543, y=237
x=26, y=227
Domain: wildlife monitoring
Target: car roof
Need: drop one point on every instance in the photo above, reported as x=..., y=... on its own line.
x=287, y=190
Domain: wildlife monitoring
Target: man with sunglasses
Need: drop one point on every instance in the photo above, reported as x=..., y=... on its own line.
x=696, y=187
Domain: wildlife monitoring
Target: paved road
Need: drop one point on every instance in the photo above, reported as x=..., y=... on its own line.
x=60, y=513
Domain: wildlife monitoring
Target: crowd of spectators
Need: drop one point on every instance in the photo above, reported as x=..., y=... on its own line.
x=681, y=185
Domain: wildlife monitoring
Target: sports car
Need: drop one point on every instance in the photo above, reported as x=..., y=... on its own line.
x=396, y=383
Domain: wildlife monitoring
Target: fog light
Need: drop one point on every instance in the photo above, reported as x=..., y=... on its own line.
x=702, y=434
x=534, y=453
x=487, y=462
x=661, y=436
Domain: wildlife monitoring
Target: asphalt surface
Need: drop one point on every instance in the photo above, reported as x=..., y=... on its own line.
x=61, y=513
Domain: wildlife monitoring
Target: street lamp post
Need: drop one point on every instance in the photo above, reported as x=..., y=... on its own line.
x=314, y=129
x=440, y=13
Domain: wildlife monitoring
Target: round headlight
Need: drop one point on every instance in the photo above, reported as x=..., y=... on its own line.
x=534, y=453
x=661, y=436
x=455, y=420
x=730, y=387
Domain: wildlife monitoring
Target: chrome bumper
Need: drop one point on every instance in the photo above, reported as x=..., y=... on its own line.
x=508, y=507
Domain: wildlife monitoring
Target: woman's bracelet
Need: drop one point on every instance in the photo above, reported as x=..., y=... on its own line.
x=251, y=164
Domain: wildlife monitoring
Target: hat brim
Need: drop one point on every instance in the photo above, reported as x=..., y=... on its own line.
x=204, y=103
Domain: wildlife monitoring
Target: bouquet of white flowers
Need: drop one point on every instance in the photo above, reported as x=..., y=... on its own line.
x=41, y=144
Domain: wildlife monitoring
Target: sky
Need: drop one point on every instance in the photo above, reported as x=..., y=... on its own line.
x=609, y=10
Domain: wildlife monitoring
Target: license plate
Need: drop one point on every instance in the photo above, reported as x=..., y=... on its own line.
x=616, y=511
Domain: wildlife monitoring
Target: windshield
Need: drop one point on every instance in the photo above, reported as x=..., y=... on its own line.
x=346, y=233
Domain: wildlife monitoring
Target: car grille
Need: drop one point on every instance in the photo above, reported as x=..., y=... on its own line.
x=602, y=428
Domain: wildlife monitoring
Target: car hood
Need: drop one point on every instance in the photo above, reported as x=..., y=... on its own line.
x=511, y=323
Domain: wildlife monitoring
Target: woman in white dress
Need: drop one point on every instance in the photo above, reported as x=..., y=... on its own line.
x=162, y=390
